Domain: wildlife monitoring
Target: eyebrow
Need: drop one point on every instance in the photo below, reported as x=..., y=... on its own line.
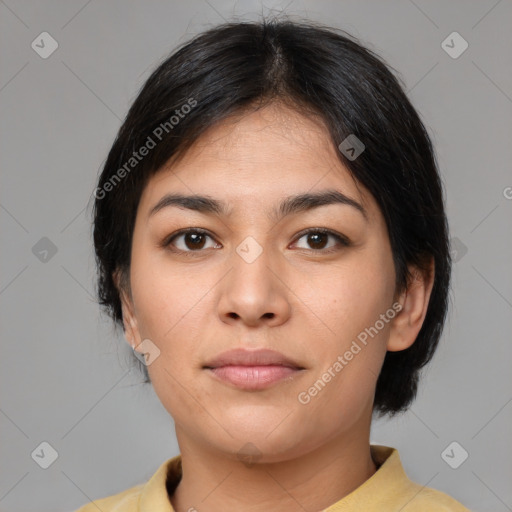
x=290, y=205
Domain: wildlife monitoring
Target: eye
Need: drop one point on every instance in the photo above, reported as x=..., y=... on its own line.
x=193, y=240
x=318, y=238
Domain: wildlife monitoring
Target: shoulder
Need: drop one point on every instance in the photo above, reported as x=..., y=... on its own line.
x=150, y=495
x=426, y=499
x=125, y=501
x=391, y=489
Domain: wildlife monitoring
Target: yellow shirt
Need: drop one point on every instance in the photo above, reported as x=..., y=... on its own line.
x=387, y=490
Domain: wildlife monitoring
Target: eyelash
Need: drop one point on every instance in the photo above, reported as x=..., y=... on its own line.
x=341, y=239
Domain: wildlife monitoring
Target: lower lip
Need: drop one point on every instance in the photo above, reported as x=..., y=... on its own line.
x=253, y=377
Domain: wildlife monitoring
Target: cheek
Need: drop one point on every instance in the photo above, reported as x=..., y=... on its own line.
x=171, y=307
x=165, y=296
x=347, y=303
x=350, y=297
x=169, y=310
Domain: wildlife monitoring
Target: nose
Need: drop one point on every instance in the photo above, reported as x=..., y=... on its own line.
x=254, y=292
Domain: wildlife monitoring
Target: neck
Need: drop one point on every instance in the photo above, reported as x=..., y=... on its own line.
x=312, y=481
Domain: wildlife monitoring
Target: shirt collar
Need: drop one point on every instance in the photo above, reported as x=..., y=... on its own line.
x=388, y=485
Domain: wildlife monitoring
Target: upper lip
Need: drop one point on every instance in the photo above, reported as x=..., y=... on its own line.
x=243, y=357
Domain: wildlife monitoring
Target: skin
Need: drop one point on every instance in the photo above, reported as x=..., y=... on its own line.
x=195, y=307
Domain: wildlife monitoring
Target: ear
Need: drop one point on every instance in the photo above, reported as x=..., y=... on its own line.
x=407, y=323
x=131, y=330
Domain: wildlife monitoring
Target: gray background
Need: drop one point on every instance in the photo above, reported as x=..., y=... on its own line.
x=65, y=375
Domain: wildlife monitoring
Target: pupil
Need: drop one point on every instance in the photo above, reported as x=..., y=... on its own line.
x=195, y=237
x=315, y=239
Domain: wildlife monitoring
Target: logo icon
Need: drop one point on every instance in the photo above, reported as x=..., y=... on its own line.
x=146, y=352
x=454, y=455
x=44, y=250
x=249, y=454
x=45, y=455
x=249, y=250
x=454, y=45
x=351, y=147
x=457, y=249
x=44, y=45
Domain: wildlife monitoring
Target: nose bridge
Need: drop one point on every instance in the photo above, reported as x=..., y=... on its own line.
x=252, y=265
x=253, y=290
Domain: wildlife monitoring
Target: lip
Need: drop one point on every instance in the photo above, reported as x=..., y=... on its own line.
x=260, y=357
x=252, y=370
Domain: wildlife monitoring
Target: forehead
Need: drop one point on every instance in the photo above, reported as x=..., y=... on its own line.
x=254, y=159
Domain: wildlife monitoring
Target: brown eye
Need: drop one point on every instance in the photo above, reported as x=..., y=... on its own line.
x=189, y=240
x=196, y=240
x=192, y=240
x=317, y=240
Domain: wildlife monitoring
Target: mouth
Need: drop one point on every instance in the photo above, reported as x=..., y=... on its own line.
x=253, y=377
x=253, y=370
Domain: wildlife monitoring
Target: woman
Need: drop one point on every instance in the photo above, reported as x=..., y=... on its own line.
x=270, y=232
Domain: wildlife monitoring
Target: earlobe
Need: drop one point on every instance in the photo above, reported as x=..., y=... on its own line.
x=414, y=300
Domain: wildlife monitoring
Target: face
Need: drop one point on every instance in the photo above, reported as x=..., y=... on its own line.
x=308, y=284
